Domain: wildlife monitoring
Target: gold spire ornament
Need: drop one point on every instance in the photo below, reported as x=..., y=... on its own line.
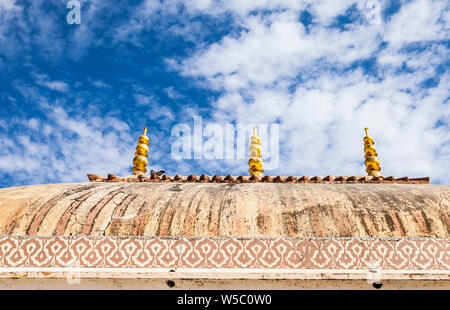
x=255, y=162
x=140, y=160
x=372, y=162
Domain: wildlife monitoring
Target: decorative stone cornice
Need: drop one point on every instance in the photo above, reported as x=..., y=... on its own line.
x=253, y=179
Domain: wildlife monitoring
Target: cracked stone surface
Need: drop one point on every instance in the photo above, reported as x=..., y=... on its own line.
x=227, y=209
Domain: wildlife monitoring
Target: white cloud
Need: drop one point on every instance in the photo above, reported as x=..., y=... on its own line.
x=144, y=99
x=56, y=86
x=155, y=110
x=275, y=71
x=8, y=5
x=269, y=68
x=66, y=147
x=325, y=11
x=277, y=47
x=420, y=20
x=99, y=83
x=172, y=93
x=44, y=80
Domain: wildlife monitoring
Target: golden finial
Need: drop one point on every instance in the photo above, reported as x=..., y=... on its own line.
x=372, y=162
x=140, y=160
x=255, y=162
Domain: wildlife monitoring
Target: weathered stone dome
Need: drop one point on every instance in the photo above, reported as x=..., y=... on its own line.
x=226, y=209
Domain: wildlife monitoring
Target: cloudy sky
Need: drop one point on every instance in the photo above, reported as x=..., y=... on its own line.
x=74, y=98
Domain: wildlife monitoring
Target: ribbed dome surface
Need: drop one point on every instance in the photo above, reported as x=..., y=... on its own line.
x=221, y=209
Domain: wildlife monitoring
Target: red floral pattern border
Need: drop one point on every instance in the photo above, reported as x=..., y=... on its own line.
x=185, y=252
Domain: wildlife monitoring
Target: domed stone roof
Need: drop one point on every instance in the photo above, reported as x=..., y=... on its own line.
x=226, y=209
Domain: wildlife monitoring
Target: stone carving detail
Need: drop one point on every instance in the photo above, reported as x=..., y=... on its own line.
x=186, y=252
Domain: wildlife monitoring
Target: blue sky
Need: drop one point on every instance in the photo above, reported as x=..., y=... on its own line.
x=75, y=98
